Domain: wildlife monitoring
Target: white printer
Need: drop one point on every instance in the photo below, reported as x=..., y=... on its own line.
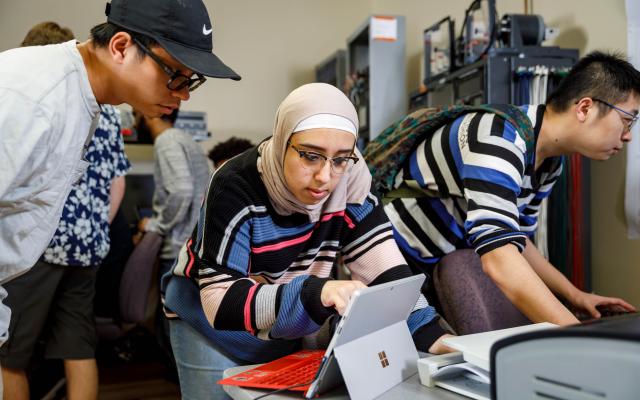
x=594, y=360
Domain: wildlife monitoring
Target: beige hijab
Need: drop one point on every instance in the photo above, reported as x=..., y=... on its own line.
x=304, y=102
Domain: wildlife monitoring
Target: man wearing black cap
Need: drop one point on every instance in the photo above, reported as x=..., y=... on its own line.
x=150, y=54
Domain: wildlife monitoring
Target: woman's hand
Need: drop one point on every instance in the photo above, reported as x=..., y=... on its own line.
x=337, y=293
x=440, y=348
x=589, y=302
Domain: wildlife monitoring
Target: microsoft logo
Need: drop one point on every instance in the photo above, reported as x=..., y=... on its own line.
x=383, y=359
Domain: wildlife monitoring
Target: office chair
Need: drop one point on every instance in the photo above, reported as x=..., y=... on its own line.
x=135, y=294
x=137, y=278
x=470, y=301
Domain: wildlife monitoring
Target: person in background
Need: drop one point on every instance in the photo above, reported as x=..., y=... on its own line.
x=45, y=33
x=254, y=278
x=181, y=174
x=484, y=183
x=223, y=151
x=64, y=277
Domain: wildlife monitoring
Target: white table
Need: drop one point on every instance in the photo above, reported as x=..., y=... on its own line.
x=409, y=389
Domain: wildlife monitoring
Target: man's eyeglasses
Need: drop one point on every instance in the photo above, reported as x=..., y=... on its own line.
x=177, y=81
x=316, y=161
x=629, y=122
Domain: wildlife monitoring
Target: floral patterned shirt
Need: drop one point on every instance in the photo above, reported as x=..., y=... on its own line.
x=82, y=237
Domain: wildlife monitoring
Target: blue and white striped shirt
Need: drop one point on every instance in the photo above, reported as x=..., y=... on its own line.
x=481, y=188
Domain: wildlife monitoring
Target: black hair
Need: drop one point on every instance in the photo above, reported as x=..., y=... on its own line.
x=605, y=76
x=228, y=149
x=101, y=36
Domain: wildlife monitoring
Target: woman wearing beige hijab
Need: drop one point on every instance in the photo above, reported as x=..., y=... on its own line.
x=256, y=276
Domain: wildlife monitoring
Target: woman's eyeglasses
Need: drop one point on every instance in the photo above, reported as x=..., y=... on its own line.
x=316, y=161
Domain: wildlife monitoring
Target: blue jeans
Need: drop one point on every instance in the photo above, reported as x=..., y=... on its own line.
x=162, y=323
x=200, y=365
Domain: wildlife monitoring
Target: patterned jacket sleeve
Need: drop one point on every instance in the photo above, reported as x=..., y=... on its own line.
x=121, y=162
x=114, y=156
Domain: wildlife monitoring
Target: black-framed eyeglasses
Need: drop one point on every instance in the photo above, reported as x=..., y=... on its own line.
x=177, y=80
x=316, y=161
x=629, y=122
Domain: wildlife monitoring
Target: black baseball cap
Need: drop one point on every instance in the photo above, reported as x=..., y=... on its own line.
x=181, y=27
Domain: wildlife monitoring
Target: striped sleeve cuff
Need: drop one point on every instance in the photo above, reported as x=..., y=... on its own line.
x=427, y=334
x=311, y=301
x=392, y=274
x=517, y=239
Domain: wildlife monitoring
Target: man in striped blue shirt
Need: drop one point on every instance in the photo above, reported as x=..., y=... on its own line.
x=483, y=185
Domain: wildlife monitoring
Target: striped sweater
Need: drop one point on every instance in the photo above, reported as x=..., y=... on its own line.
x=254, y=277
x=482, y=189
x=180, y=173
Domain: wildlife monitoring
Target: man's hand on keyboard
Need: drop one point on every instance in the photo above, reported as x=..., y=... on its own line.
x=593, y=304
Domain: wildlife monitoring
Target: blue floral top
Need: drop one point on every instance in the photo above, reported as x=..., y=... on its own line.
x=82, y=237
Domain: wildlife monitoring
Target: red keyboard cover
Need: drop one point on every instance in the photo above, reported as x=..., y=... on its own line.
x=297, y=368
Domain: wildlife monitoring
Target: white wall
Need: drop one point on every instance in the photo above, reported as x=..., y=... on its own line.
x=276, y=44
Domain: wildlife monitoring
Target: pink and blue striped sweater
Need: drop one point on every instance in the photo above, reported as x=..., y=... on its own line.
x=250, y=279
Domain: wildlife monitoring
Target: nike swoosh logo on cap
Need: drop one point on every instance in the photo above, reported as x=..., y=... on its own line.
x=206, y=31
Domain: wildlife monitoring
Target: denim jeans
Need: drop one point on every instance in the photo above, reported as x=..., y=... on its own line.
x=161, y=322
x=200, y=365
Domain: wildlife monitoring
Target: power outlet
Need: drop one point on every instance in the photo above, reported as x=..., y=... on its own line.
x=551, y=33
